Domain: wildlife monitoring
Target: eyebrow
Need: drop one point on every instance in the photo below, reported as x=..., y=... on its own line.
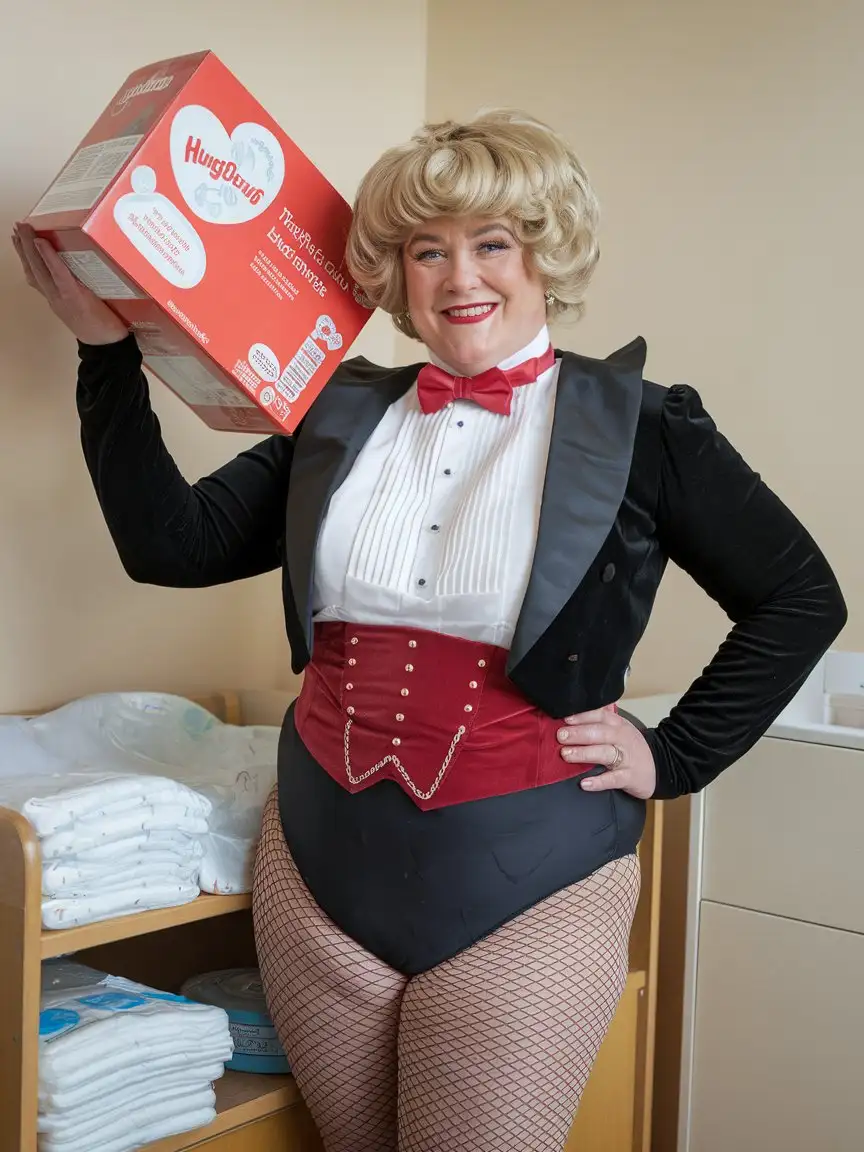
x=430, y=238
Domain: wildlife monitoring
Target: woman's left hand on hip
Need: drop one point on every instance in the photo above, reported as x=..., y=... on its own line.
x=604, y=737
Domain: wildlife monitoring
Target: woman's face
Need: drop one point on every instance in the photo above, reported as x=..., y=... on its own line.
x=473, y=294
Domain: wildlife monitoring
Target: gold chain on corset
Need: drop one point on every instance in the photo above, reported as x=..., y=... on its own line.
x=390, y=759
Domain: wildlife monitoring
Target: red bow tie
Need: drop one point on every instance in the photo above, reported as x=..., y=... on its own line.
x=492, y=389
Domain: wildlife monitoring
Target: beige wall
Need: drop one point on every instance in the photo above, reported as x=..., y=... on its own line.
x=345, y=80
x=724, y=141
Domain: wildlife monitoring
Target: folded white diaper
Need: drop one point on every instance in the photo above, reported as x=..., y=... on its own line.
x=79, y=795
x=153, y=1120
x=73, y=911
x=114, y=1088
x=72, y=878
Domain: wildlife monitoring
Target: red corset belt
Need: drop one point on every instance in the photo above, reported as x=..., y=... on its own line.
x=433, y=713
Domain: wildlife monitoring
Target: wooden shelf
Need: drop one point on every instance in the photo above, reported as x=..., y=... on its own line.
x=65, y=940
x=164, y=947
x=241, y=1098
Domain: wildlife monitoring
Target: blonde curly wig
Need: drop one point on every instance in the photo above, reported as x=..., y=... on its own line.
x=503, y=163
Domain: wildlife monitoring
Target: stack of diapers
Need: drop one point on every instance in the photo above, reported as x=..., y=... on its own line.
x=139, y=801
x=121, y=1064
x=111, y=844
x=231, y=766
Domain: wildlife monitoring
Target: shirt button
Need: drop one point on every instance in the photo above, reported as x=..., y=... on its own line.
x=608, y=573
x=421, y=581
x=460, y=423
x=435, y=527
x=447, y=472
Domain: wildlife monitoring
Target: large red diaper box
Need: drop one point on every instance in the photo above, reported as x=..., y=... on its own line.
x=191, y=213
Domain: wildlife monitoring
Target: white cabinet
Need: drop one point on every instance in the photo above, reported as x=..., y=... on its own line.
x=772, y=996
x=784, y=833
x=778, y=1058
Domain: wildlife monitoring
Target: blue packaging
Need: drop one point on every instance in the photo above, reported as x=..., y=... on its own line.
x=239, y=991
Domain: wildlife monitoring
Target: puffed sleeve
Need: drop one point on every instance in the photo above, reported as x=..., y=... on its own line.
x=718, y=521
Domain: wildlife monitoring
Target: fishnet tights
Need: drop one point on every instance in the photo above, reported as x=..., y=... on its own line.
x=334, y=1005
x=488, y=1052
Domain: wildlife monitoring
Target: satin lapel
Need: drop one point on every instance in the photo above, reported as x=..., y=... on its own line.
x=590, y=451
x=337, y=426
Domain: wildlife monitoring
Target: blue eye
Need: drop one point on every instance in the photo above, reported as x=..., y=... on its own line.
x=433, y=255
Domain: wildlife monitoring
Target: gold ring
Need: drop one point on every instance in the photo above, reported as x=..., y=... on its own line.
x=619, y=756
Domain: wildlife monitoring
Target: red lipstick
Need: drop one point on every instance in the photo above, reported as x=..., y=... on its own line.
x=475, y=319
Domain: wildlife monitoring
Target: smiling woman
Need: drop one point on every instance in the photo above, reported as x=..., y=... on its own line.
x=504, y=171
x=473, y=289
x=471, y=547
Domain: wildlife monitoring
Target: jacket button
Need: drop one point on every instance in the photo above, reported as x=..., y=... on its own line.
x=608, y=573
x=573, y=657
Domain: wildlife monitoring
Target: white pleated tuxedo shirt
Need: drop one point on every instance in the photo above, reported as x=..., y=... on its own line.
x=436, y=523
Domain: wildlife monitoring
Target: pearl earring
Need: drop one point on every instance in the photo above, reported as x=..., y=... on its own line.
x=549, y=297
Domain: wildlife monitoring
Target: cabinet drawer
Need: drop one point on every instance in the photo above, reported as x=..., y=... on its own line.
x=779, y=1048
x=783, y=833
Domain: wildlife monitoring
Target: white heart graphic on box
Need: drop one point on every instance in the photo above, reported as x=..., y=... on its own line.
x=224, y=179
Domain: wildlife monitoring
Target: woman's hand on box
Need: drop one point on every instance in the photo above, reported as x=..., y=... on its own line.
x=86, y=316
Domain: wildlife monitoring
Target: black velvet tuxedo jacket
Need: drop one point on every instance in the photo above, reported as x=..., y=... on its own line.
x=637, y=475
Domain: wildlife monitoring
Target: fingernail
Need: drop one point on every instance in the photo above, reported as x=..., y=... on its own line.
x=588, y=785
x=563, y=733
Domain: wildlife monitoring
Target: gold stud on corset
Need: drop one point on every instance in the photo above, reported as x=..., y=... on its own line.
x=399, y=718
